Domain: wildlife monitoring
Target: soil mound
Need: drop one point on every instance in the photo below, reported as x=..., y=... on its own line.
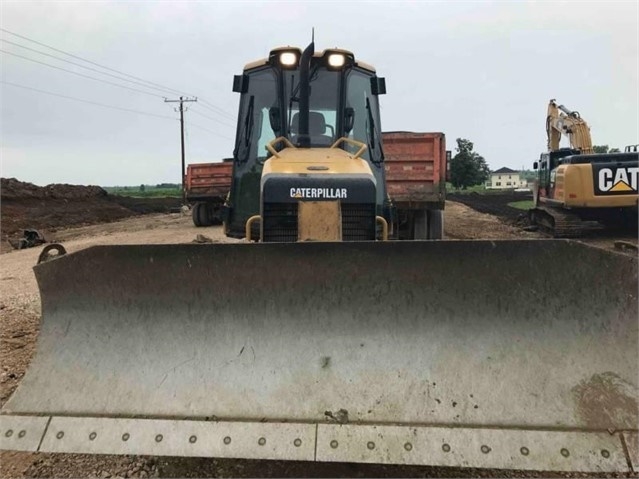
x=11, y=188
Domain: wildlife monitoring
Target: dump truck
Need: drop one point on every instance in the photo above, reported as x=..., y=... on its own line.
x=321, y=341
x=207, y=185
x=415, y=165
x=575, y=186
x=416, y=168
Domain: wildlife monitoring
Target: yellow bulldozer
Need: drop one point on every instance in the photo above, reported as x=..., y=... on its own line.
x=329, y=340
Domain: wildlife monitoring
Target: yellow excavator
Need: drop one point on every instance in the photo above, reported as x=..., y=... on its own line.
x=322, y=340
x=576, y=186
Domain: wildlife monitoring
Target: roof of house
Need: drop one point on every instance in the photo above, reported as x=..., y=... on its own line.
x=505, y=170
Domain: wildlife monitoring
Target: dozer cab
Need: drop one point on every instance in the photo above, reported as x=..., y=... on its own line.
x=309, y=161
x=324, y=342
x=309, y=157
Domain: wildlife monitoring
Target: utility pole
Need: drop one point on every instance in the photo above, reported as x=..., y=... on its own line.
x=181, y=101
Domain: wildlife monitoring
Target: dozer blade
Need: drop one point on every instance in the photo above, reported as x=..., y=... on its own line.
x=510, y=354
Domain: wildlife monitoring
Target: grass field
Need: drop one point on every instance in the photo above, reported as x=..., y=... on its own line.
x=471, y=189
x=522, y=205
x=145, y=191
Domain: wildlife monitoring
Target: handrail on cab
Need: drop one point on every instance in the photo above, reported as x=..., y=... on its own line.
x=272, y=150
x=362, y=146
x=249, y=223
x=381, y=220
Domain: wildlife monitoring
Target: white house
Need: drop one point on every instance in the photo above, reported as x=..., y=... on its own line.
x=505, y=179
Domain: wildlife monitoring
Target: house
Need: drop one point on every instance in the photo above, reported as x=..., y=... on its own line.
x=505, y=179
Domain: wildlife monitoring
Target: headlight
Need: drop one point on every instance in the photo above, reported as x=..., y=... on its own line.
x=288, y=59
x=336, y=60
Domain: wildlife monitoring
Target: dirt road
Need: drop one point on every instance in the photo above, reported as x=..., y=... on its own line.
x=19, y=317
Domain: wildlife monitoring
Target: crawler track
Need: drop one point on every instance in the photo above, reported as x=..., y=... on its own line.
x=557, y=223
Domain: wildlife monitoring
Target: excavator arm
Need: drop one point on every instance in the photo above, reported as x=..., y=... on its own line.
x=560, y=120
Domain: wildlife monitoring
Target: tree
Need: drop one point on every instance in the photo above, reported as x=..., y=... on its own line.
x=142, y=188
x=604, y=149
x=467, y=168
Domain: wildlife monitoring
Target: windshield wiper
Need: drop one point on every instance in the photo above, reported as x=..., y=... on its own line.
x=373, y=135
x=243, y=146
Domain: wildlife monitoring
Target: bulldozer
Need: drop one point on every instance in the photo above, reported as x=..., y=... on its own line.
x=577, y=188
x=328, y=340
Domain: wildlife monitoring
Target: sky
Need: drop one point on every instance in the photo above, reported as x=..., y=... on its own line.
x=479, y=70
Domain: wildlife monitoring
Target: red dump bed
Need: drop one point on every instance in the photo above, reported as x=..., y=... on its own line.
x=415, y=167
x=208, y=180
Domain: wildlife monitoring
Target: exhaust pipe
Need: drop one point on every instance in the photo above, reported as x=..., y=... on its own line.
x=304, y=139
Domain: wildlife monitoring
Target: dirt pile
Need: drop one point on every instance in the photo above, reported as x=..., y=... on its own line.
x=494, y=203
x=11, y=189
x=52, y=207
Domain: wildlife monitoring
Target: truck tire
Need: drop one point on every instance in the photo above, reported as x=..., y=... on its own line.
x=203, y=214
x=420, y=225
x=195, y=214
x=436, y=224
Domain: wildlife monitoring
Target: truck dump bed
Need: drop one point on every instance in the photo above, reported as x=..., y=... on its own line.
x=415, y=168
x=206, y=181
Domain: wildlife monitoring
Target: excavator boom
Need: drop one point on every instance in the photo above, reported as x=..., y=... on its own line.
x=563, y=121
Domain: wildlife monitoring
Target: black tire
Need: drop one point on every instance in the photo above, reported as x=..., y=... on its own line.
x=420, y=225
x=204, y=215
x=436, y=224
x=195, y=214
x=216, y=214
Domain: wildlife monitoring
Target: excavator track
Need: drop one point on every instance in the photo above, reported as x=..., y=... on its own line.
x=558, y=223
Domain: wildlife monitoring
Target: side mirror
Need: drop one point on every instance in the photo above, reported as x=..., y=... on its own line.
x=535, y=166
x=275, y=118
x=378, y=86
x=240, y=83
x=349, y=119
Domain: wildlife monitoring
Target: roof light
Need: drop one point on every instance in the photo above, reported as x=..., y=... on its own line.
x=288, y=59
x=336, y=60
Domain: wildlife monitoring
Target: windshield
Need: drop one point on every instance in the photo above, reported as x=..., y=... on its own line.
x=323, y=105
x=340, y=104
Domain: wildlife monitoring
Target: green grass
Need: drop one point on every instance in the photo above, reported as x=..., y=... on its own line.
x=471, y=189
x=522, y=205
x=148, y=191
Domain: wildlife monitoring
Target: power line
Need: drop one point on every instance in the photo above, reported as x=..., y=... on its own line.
x=79, y=65
x=206, y=104
x=212, y=119
x=89, y=101
x=80, y=74
x=91, y=62
x=190, y=123
x=217, y=109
